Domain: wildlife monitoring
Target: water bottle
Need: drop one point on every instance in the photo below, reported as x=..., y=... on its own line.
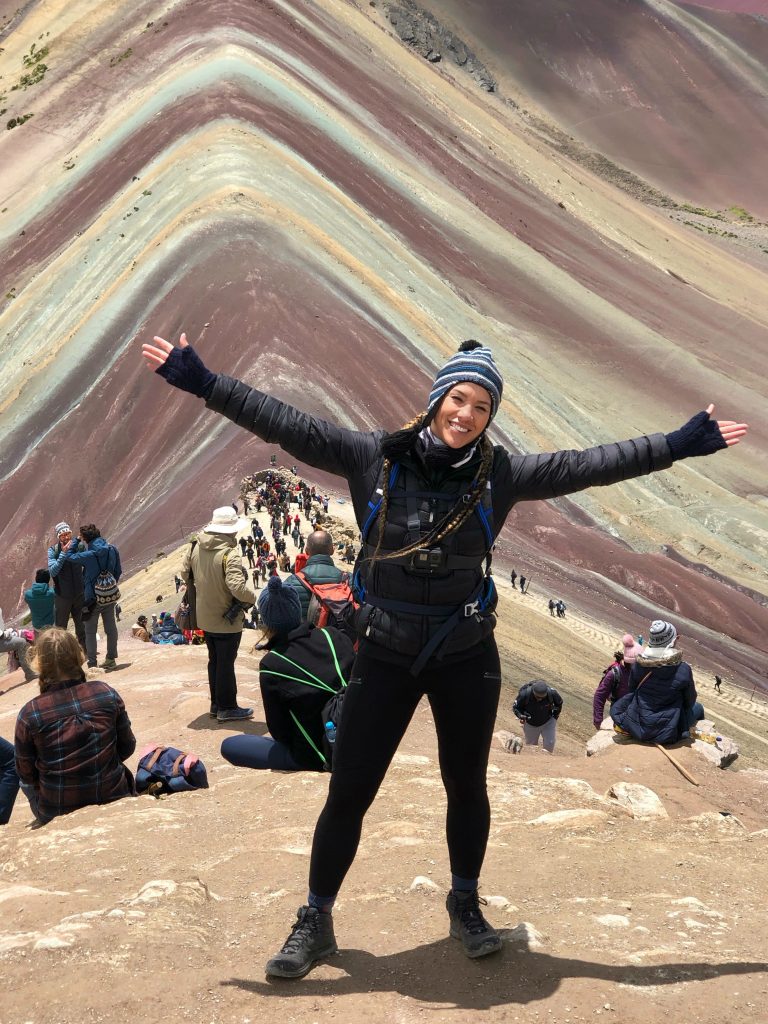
x=330, y=732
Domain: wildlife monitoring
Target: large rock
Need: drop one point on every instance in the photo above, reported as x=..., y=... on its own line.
x=640, y=801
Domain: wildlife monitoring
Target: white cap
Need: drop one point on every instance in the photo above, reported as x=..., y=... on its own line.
x=223, y=520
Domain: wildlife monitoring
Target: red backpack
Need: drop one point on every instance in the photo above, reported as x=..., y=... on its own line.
x=337, y=602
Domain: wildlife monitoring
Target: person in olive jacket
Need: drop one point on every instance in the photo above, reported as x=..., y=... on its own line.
x=430, y=500
x=214, y=565
x=301, y=671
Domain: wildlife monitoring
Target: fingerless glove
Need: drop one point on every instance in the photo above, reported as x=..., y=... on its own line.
x=184, y=369
x=699, y=436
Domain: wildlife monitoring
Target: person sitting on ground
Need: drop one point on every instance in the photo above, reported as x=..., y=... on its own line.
x=301, y=671
x=661, y=705
x=72, y=740
x=169, y=632
x=538, y=707
x=12, y=642
x=319, y=568
x=139, y=629
x=40, y=599
x=615, y=681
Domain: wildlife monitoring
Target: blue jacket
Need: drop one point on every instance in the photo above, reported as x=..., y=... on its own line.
x=40, y=598
x=98, y=557
x=652, y=712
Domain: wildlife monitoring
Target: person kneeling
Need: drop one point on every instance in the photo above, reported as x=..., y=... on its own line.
x=71, y=741
x=303, y=668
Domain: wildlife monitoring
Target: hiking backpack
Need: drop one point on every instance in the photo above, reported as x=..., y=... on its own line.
x=337, y=603
x=616, y=680
x=168, y=770
x=105, y=585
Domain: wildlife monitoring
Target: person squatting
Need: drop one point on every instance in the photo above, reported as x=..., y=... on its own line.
x=427, y=616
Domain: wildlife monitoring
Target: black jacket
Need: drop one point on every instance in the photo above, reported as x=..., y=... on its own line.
x=355, y=456
x=537, y=712
x=309, y=649
x=660, y=689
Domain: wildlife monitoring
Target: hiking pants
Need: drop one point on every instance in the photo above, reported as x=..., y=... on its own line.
x=378, y=707
x=249, y=751
x=107, y=614
x=66, y=606
x=222, y=652
x=19, y=646
x=546, y=731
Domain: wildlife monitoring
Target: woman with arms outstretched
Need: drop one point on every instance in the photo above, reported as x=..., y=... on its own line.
x=430, y=500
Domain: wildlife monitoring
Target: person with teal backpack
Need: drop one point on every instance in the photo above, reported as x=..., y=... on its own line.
x=303, y=678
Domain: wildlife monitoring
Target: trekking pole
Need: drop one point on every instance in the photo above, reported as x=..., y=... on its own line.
x=676, y=763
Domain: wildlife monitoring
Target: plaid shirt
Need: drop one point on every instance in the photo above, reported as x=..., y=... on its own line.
x=70, y=745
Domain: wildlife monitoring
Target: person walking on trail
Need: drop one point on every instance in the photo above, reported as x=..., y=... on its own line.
x=552, y=607
x=522, y=584
x=662, y=704
x=538, y=707
x=718, y=684
x=615, y=681
x=301, y=671
x=68, y=583
x=512, y=578
x=561, y=609
x=100, y=560
x=427, y=598
x=220, y=578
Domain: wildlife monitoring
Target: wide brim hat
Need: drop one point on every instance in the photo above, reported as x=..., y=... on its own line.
x=223, y=520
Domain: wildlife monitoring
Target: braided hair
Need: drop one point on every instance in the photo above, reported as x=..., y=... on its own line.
x=454, y=518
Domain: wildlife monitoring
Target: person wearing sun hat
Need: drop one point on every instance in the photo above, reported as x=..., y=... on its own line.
x=662, y=704
x=219, y=579
x=430, y=500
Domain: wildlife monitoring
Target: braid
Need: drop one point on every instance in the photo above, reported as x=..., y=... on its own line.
x=396, y=443
x=451, y=522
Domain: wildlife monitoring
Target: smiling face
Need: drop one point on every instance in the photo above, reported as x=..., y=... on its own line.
x=463, y=415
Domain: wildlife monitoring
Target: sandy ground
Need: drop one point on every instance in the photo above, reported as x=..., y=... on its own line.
x=151, y=910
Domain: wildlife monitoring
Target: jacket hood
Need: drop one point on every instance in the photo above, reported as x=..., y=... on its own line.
x=666, y=656
x=40, y=588
x=216, y=541
x=99, y=544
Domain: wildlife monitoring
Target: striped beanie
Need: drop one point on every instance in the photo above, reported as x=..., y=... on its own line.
x=473, y=363
x=662, y=634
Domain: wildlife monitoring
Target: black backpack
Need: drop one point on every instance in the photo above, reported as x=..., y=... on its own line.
x=616, y=680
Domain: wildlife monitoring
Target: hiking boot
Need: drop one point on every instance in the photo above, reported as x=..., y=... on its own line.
x=109, y=664
x=213, y=710
x=311, y=939
x=234, y=714
x=469, y=925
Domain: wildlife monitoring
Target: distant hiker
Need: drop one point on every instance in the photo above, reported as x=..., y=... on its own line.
x=40, y=600
x=522, y=584
x=220, y=579
x=183, y=615
x=243, y=545
x=319, y=568
x=273, y=460
x=718, y=684
x=349, y=554
x=72, y=740
x=512, y=578
x=561, y=609
x=118, y=612
x=101, y=567
x=661, y=705
x=140, y=629
x=177, y=581
x=68, y=583
x=538, y=707
x=429, y=601
x=552, y=607
x=301, y=671
x=615, y=681
x=249, y=553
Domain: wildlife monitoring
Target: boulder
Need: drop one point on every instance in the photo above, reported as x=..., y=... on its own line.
x=640, y=801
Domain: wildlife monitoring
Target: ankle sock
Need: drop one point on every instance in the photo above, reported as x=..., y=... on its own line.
x=463, y=887
x=322, y=903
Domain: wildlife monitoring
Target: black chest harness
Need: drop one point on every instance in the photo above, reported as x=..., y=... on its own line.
x=429, y=562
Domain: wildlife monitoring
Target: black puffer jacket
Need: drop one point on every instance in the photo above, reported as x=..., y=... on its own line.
x=355, y=456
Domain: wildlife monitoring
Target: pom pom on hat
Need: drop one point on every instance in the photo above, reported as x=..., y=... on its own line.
x=279, y=606
x=474, y=364
x=631, y=649
x=662, y=634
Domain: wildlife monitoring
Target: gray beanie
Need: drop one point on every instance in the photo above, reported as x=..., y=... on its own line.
x=662, y=634
x=279, y=606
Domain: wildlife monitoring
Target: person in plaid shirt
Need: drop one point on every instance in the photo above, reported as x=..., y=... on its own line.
x=71, y=741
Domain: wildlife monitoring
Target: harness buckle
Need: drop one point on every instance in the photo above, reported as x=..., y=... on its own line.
x=472, y=608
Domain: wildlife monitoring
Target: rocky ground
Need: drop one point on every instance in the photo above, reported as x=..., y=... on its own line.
x=152, y=910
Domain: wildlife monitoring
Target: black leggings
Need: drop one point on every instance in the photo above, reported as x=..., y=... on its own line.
x=378, y=706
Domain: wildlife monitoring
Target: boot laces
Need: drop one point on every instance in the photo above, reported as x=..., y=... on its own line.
x=470, y=914
x=304, y=929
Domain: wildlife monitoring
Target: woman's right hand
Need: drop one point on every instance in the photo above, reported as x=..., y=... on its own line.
x=180, y=366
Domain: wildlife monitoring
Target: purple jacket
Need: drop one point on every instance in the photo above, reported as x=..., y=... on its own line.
x=603, y=691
